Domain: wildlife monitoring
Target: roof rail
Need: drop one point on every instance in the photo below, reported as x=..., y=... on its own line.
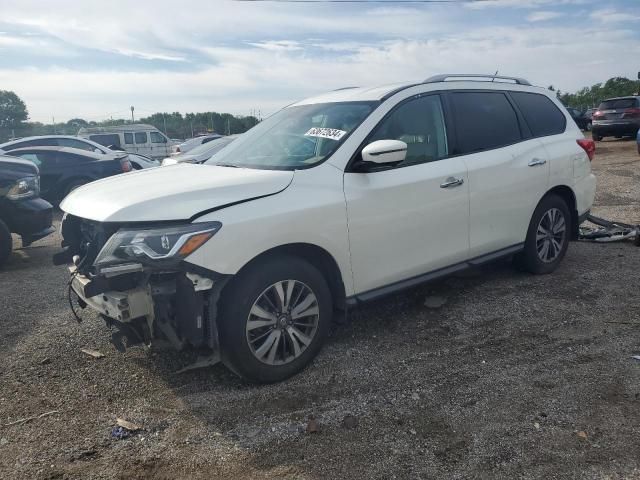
x=343, y=88
x=488, y=78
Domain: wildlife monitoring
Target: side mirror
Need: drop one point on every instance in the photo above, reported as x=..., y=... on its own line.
x=385, y=151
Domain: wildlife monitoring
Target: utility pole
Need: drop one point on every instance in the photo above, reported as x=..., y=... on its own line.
x=132, y=120
x=164, y=120
x=211, y=116
x=53, y=119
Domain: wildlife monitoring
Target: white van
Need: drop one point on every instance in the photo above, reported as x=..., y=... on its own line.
x=134, y=138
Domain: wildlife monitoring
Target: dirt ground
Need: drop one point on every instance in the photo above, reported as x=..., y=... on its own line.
x=516, y=376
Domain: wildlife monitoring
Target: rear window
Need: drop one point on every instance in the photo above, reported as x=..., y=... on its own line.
x=484, y=120
x=618, y=103
x=541, y=114
x=141, y=137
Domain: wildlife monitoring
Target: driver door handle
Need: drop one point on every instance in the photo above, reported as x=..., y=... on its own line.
x=452, y=182
x=536, y=161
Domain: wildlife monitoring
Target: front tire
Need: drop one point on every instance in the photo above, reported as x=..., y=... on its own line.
x=6, y=243
x=274, y=319
x=547, y=237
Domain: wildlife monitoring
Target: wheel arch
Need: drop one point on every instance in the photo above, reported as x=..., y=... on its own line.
x=568, y=195
x=316, y=256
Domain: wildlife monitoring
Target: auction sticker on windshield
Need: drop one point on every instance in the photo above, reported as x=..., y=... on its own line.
x=332, y=133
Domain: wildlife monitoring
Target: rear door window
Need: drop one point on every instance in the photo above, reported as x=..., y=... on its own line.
x=542, y=116
x=484, y=120
x=128, y=138
x=141, y=137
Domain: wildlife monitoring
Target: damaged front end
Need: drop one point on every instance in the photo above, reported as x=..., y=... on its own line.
x=136, y=277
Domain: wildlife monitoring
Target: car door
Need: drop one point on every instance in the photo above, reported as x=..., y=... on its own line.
x=143, y=147
x=508, y=172
x=412, y=218
x=47, y=164
x=159, y=145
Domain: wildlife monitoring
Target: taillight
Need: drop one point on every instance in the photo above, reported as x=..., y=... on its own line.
x=632, y=112
x=588, y=146
x=126, y=165
x=597, y=114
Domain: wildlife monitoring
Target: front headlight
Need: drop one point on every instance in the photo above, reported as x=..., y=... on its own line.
x=161, y=245
x=25, y=188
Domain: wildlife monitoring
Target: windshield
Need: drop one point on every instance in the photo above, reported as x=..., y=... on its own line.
x=295, y=137
x=211, y=147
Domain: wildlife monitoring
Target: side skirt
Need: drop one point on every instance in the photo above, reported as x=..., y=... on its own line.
x=431, y=276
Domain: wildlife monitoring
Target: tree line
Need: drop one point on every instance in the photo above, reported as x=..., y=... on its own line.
x=14, y=116
x=590, y=97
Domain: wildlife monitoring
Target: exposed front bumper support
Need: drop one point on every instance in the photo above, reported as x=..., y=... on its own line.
x=121, y=306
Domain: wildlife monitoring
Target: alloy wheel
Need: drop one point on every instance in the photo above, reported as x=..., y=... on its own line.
x=282, y=322
x=551, y=235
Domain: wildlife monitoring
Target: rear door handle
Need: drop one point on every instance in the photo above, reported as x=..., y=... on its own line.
x=536, y=161
x=452, y=182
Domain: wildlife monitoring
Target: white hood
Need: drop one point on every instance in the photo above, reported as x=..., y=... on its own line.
x=177, y=192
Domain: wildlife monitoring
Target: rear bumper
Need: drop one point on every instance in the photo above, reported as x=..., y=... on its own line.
x=585, y=191
x=618, y=128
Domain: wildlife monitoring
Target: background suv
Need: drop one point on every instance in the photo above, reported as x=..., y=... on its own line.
x=335, y=200
x=616, y=117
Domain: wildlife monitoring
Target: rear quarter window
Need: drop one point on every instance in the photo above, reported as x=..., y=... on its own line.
x=542, y=116
x=484, y=120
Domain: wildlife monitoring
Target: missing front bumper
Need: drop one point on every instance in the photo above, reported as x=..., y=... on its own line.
x=121, y=306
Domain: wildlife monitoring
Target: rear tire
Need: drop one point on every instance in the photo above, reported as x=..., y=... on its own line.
x=275, y=316
x=6, y=243
x=547, y=237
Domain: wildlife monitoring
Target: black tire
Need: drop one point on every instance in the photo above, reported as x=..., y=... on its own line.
x=588, y=127
x=530, y=259
x=238, y=301
x=6, y=243
x=595, y=137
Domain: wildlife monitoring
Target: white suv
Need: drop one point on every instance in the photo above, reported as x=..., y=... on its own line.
x=330, y=202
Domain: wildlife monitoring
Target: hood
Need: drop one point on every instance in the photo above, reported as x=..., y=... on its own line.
x=17, y=166
x=177, y=192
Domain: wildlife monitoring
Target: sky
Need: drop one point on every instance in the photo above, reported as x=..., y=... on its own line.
x=94, y=59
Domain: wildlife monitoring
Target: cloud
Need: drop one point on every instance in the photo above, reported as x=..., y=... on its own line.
x=609, y=15
x=237, y=57
x=542, y=16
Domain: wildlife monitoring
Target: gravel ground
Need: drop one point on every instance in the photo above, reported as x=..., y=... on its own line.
x=515, y=376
